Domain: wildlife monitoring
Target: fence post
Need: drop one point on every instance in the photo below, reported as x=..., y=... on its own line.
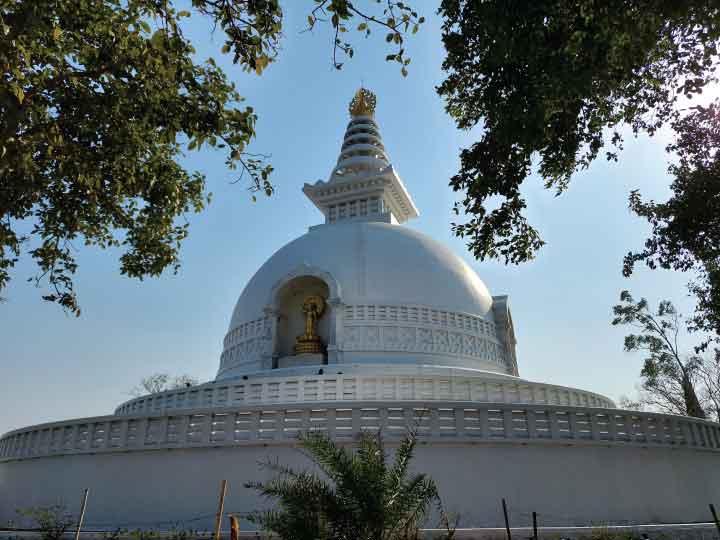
x=82, y=514
x=234, y=527
x=715, y=517
x=507, y=521
x=221, y=505
x=535, y=537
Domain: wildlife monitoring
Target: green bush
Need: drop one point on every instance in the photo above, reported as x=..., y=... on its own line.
x=52, y=521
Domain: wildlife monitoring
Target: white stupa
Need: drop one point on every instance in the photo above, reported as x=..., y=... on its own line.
x=363, y=323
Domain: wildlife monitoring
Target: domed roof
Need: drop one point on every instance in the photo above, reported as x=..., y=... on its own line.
x=396, y=296
x=371, y=263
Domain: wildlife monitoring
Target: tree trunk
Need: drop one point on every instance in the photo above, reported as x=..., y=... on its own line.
x=692, y=403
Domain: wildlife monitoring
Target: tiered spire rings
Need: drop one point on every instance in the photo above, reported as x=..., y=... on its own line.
x=363, y=184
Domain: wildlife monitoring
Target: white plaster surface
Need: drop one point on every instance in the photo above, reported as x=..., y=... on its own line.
x=373, y=263
x=296, y=360
x=385, y=382
x=567, y=485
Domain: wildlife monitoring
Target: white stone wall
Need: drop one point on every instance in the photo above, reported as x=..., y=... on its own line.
x=246, y=345
x=566, y=484
x=362, y=383
x=407, y=333
x=450, y=338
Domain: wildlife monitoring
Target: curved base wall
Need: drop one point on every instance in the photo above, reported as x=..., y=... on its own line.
x=572, y=465
x=566, y=485
x=359, y=383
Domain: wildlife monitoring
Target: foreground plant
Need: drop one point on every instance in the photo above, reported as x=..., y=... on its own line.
x=356, y=493
x=52, y=521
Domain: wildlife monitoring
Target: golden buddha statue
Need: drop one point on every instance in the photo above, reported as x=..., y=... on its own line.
x=309, y=343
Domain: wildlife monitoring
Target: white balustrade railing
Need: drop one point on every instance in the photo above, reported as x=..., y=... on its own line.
x=461, y=422
x=301, y=389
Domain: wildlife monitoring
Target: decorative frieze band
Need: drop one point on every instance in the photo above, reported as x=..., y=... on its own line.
x=379, y=327
x=247, y=343
x=420, y=329
x=419, y=315
x=422, y=340
x=247, y=352
x=258, y=327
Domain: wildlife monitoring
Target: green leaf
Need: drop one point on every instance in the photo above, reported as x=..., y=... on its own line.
x=18, y=93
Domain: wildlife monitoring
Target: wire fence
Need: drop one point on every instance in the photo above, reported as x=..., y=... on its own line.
x=519, y=525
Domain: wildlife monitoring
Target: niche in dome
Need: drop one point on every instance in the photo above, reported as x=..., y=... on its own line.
x=304, y=322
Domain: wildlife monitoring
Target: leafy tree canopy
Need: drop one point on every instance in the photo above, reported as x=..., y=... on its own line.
x=686, y=228
x=552, y=82
x=99, y=99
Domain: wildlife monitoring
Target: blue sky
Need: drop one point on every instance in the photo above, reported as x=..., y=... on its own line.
x=54, y=366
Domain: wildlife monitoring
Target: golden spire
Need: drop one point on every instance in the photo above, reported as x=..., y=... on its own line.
x=363, y=104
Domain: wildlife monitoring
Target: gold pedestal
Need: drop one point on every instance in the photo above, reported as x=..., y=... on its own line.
x=308, y=346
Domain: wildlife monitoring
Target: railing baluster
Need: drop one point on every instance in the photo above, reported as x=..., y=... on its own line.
x=710, y=438
x=645, y=427
x=594, y=428
x=612, y=426
x=255, y=424
x=141, y=432
x=434, y=422
x=630, y=427
x=483, y=421
x=554, y=429
x=508, y=423
x=357, y=419
x=332, y=421
x=459, y=422
x=572, y=425
x=531, y=425
x=86, y=436
x=75, y=437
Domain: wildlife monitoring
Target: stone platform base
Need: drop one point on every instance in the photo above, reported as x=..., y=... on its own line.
x=301, y=360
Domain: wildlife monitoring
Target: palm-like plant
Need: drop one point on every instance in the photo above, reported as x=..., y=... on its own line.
x=357, y=495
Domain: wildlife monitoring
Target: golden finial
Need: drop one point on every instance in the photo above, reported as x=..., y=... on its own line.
x=363, y=104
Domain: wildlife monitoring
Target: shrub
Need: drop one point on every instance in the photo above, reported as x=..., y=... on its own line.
x=52, y=521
